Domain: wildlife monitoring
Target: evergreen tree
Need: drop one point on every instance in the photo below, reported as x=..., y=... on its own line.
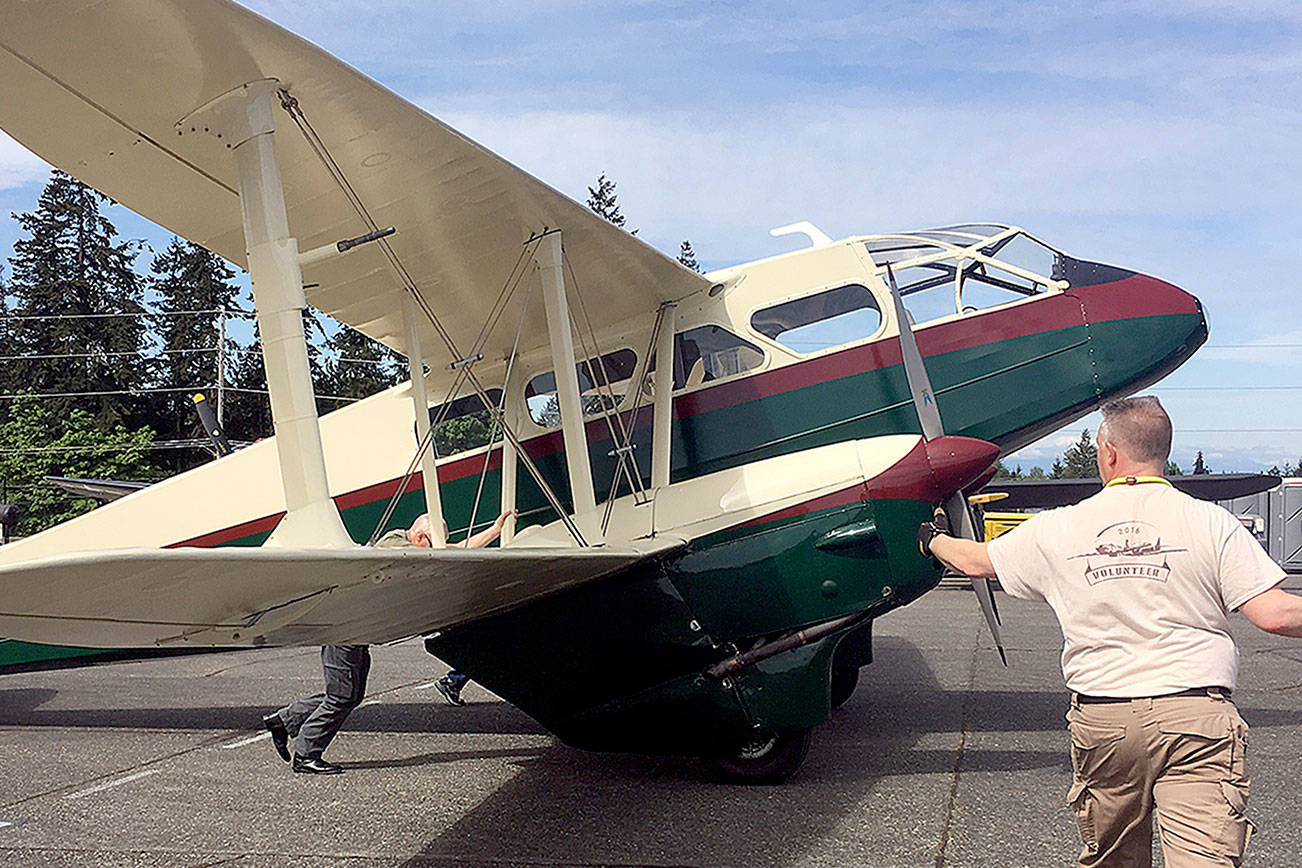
x=1172, y=469
x=1079, y=461
x=1200, y=467
x=38, y=442
x=605, y=203
x=359, y=366
x=71, y=265
x=687, y=256
x=187, y=277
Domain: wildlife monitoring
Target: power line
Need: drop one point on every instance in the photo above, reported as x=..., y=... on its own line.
x=1283, y=388
x=213, y=312
x=111, y=447
x=107, y=392
x=113, y=355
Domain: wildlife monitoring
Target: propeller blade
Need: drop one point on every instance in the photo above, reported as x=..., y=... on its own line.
x=960, y=521
x=924, y=400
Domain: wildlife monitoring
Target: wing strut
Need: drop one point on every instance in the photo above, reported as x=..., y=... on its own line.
x=420, y=406
x=662, y=412
x=244, y=117
x=573, y=431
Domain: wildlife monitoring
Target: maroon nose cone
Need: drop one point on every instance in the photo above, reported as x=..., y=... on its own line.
x=935, y=469
x=956, y=462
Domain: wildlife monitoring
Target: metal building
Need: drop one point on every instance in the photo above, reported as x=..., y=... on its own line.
x=1275, y=518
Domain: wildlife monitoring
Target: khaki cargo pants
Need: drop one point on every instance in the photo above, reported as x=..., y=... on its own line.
x=1183, y=755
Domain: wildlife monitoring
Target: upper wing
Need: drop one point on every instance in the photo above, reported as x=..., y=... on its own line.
x=98, y=88
x=253, y=596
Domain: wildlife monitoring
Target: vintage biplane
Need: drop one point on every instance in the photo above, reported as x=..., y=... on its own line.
x=718, y=477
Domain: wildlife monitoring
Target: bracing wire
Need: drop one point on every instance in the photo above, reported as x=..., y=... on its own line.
x=318, y=146
x=428, y=441
x=492, y=433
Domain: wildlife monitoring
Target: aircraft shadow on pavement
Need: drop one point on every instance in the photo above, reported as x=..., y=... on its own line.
x=630, y=809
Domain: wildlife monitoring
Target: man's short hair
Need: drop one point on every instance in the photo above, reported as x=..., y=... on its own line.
x=1139, y=427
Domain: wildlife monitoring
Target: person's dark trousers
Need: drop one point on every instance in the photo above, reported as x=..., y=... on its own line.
x=313, y=722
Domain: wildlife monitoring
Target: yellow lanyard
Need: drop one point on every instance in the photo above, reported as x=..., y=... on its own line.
x=1138, y=480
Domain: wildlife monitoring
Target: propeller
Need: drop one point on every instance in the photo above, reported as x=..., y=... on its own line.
x=924, y=400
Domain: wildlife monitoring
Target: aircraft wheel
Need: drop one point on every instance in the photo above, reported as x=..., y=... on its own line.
x=770, y=759
x=844, y=680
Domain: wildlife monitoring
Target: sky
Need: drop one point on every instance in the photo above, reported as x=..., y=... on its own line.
x=1162, y=137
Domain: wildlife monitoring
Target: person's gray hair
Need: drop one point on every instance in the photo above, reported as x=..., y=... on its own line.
x=1139, y=427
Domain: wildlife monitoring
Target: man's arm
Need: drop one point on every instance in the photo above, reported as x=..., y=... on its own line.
x=1275, y=611
x=963, y=556
x=485, y=536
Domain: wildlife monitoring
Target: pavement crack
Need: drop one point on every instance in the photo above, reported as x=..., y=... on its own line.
x=960, y=751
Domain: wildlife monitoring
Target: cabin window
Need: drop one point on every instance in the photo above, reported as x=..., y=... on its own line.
x=466, y=424
x=824, y=319
x=602, y=384
x=711, y=352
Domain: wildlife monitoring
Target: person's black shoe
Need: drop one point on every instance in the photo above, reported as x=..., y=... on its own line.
x=279, y=735
x=316, y=766
x=451, y=692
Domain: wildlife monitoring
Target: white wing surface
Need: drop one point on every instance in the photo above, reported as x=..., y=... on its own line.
x=248, y=596
x=98, y=88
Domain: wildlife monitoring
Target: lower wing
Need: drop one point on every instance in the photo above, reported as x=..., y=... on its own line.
x=257, y=596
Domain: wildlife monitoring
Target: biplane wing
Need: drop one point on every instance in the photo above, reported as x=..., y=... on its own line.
x=149, y=597
x=104, y=91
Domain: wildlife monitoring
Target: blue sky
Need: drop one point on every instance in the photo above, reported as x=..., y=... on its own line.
x=1158, y=136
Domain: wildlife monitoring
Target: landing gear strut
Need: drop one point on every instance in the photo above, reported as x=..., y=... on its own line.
x=770, y=758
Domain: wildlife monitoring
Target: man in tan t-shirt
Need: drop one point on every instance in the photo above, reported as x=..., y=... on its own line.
x=1142, y=578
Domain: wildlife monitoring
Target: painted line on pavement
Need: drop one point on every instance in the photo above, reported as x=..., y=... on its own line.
x=250, y=740
x=110, y=784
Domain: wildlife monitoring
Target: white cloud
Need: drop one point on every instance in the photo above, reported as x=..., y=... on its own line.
x=19, y=166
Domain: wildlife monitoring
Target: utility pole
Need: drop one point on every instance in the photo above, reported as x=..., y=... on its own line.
x=221, y=364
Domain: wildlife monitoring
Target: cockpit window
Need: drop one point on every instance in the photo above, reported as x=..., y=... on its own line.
x=961, y=269
x=825, y=319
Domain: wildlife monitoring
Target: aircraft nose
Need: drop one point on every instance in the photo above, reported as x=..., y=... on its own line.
x=1141, y=327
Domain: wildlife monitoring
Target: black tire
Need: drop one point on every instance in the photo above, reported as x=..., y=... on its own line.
x=769, y=759
x=844, y=680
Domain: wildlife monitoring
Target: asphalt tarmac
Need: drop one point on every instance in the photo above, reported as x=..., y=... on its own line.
x=941, y=758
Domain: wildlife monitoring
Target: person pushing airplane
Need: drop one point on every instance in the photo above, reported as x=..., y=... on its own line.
x=1142, y=578
x=312, y=722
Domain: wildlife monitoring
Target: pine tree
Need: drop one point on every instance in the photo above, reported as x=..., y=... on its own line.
x=605, y=203
x=359, y=366
x=69, y=266
x=1079, y=461
x=687, y=256
x=1172, y=469
x=1200, y=467
x=188, y=278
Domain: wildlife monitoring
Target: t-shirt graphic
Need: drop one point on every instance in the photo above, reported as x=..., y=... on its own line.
x=1127, y=550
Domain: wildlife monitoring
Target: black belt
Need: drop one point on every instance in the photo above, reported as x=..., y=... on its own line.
x=1192, y=691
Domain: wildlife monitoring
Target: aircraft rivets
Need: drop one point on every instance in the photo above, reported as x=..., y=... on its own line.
x=830, y=589
x=695, y=626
